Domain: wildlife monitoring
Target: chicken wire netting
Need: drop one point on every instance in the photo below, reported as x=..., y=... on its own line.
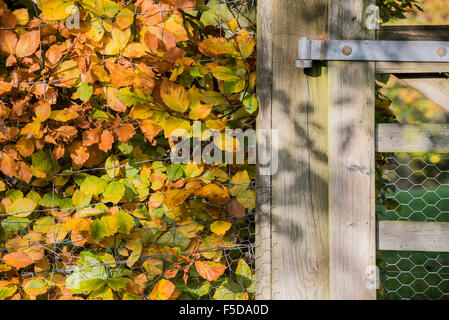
x=413, y=188
x=63, y=243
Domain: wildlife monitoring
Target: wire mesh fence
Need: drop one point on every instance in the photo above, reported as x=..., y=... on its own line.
x=416, y=189
x=66, y=234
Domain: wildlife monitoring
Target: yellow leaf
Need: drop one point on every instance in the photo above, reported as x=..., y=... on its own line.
x=239, y=183
x=217, y=47
x=56, y=9
x=22, y=207
x=220, y=227
x=190, y=228
x=174, y=95
x=35, y=287
x=118, y=42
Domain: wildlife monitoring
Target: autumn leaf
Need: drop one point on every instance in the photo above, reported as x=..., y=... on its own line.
x=217, y=47
x=106, y=140
x=8, y=41
x=8, y=165
x=220, y=227
x=210, y=270
x=56, y=9
x=17, y=259
x=79, y=153
x=125, y=132
x=162, y=290
x=174, y=95
x=27, y=44
x=235, y=209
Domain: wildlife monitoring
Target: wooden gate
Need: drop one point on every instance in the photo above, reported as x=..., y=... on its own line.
x=317, y=234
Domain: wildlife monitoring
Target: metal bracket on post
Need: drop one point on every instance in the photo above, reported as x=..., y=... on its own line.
x=370, y=50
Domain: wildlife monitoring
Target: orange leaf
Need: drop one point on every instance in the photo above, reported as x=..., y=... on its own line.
x=214, y=193
x=78, y=153
x=27, y=44
x=43, y=111
x=54, y=54
x=210, y=270
x=91, y=137
x=125, y=132
x=25, y=146
x=150, y=129
x=106, y=141
x=17, y=259
x=162, y=290
x=8, y=41
x=7, y=165
x=24, y=172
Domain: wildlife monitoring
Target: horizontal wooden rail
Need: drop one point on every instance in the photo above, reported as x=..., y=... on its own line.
x=412, y=138
x=411, y=67
x=413, y=33
x=413, y=236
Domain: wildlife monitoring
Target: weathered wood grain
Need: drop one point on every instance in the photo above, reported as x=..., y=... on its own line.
x=263, y=181
x=394, y=137
x=351, y=159
x=413, y=236
x=411, y=67
x=414, y=33
x=299, y=194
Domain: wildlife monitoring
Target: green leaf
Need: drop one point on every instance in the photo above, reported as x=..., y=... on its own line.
x=112, y=165
x=13, y=224
x=250, y=104
x=175, y=171
x=114, y=191
x=225, y=74
x=90, y=275
x=118, y=283
x=41, y=160
x=130, y=98
x=97, y=230
x=81, y=199
x=174, y=238
x=93, y=185
x=228, y=290
x=244, y=276
x=85, y=91
x=125, y=222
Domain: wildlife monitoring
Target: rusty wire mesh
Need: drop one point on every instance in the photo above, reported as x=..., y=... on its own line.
x=60, y=250
x=416, y=189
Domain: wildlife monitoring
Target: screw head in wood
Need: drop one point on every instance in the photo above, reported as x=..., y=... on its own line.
x=442, y=51
x=347, y=50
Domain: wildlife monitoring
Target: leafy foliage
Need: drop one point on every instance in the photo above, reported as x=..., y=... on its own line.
x=90, y=204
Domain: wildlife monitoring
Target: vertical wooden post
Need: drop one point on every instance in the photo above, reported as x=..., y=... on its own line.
x=351, y=158
x=299, y=103
x=263, y=182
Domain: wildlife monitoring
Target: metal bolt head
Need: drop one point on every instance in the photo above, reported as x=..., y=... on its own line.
x=442, y=51
x=347, y=50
